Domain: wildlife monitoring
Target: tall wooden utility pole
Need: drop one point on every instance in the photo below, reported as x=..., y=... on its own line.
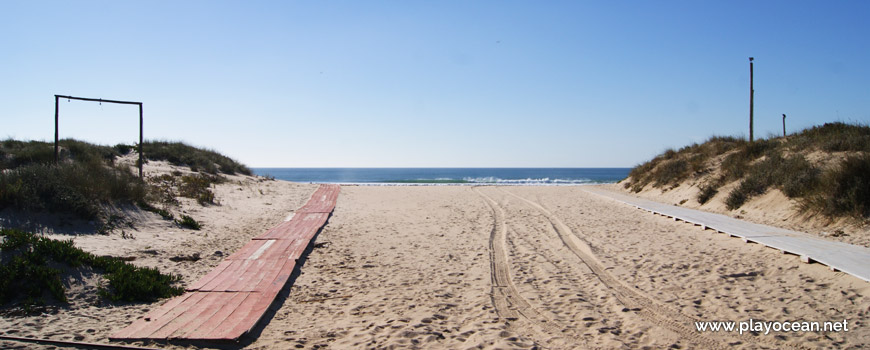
x=751, y=98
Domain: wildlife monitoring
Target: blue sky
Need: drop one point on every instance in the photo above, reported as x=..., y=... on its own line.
x=431, y=84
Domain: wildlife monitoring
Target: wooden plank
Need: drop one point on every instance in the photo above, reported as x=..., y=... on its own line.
x=279, y=231
x=210, y=276
x=236, y=283
x=155, y=324
x=202, y=308
x=273, y=284
x=297, y=249
x=848, y=258
x=230, y=274
x=322, y=201
x=248, y=249
x=143, y=322
x=257, y=311
x=218, y=302
x=250, y=280
x=301, y=223
x=230, y=300
x=215, y=320
x=221, y=332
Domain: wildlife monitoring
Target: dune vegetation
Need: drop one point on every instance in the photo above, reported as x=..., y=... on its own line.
x=823, y=168
x=89, y=183
x=86, y=179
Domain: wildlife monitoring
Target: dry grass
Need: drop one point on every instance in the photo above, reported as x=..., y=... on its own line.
x=761, y=165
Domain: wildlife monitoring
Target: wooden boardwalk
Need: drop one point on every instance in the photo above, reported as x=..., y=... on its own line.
x=230, y=300
x=838, y=256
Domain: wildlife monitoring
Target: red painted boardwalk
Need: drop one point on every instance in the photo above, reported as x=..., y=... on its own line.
x=230, y=300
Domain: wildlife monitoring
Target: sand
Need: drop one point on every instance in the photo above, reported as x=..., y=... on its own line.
x=459, y=267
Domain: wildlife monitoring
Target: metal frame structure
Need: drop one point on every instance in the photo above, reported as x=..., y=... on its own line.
x=56, y=114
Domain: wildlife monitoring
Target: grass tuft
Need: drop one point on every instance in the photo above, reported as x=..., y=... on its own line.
x=178, y=153
x=844, y=190
x=35, y=266
x=707, y=192
x=761, y=165
x=189, y=222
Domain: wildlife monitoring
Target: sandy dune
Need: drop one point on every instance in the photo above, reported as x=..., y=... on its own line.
x=499, y=267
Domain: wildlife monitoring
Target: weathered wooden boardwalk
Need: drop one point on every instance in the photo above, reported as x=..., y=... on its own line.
x=230, y=300
x=838, y=256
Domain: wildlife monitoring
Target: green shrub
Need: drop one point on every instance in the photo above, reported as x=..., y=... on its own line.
x=83, y=179
x=133, y=283
x=178, y=153
x=165, y=214
x=760, y=165
x=749, y=187
x=670, y=171
x=123, y=149
x=188, y=222
x=833, y=137
x=198, y=187
x=844, y=190
x=796, y=177
x=75, y=188
x=29, y=274
x=707, y=192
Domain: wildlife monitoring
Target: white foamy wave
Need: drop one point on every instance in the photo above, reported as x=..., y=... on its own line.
x=526, y=181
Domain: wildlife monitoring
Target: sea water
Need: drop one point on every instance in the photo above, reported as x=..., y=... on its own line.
x=448, y=176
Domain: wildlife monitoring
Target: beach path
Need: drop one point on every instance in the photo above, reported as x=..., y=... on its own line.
x=838, y=256
x=229, y=301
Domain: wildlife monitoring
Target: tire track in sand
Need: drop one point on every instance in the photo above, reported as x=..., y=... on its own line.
x=508, y=302
x=651, y=310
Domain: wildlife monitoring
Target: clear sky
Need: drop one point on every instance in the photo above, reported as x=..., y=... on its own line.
x=434, y=83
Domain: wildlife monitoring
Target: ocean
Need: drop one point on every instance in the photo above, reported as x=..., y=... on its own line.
x=448, y=176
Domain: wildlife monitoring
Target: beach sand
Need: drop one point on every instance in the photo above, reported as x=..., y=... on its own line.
x=488, y=267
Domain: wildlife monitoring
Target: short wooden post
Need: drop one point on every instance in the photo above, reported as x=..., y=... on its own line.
x=141, y=151
x=783, y=125
x=751, y=98
x=56, y=99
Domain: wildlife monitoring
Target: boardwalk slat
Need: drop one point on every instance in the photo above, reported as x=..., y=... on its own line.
x=210, y=276
x=217, y=302
x=301, y=223
x=155, y=324
x=248, y=249
x=231, y=299
x=278, y=231
x=141, y=323
x=195, y=311
x=251, y=279
x=229, y=274
x=209, y=325
x=229, y=285
x=221, y=332
x=279, y=278
x=851, y=259
x=279, y=250
x=257, y=311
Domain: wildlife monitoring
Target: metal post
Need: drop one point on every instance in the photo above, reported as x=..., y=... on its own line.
x=783, y=125
x=56, y=99
x=751, y=98
x=141, y=152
